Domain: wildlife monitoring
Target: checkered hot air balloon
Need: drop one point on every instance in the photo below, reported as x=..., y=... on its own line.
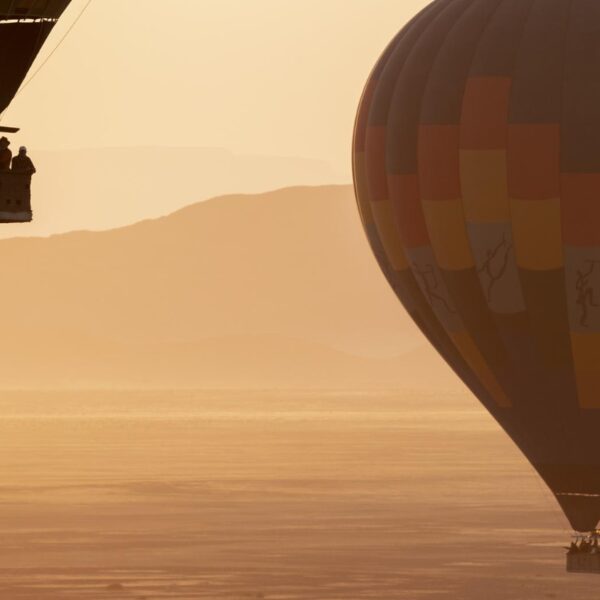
x=477, y=172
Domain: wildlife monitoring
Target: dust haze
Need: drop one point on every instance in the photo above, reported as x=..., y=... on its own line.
x=209, y=389
x=292, y=495
x=192, y=414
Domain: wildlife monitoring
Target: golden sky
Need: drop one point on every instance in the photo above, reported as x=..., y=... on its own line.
x=274, y=77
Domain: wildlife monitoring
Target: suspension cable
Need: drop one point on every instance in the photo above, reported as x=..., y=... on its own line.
x=58, y=45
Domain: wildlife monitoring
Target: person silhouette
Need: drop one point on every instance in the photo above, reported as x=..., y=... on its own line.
x=22, y=163
x=5, y=154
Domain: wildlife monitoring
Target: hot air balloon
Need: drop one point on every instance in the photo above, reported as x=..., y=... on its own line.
x=477, y=172
x=24, y=27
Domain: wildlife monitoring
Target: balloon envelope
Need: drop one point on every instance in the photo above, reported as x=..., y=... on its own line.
x=477, y=172
x=24, y=27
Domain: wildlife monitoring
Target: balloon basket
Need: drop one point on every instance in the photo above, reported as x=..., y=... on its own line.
x=15, y=197
x=583, y=563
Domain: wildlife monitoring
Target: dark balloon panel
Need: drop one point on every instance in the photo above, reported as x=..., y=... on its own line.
x=24, y=27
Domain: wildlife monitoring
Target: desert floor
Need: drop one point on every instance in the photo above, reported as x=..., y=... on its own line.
x=272, y=496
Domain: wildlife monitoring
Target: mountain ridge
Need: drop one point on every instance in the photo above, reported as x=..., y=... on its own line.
x=181, y=300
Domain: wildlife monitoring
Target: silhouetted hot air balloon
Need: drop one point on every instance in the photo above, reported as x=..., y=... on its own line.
x=477, y=171
x=24, y=27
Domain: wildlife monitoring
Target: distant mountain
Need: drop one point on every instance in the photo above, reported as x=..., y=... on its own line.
x=105, y=188
x=271, y=290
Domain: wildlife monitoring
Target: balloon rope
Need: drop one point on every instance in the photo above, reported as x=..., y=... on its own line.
x=58, y=45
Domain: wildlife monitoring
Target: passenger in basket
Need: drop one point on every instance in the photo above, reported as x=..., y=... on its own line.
x=5, y=154
x=22, y=163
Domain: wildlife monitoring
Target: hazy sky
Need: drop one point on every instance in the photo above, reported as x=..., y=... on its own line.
x=277, y=77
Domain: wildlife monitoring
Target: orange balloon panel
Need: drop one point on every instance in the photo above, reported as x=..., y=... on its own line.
x=477, y=172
